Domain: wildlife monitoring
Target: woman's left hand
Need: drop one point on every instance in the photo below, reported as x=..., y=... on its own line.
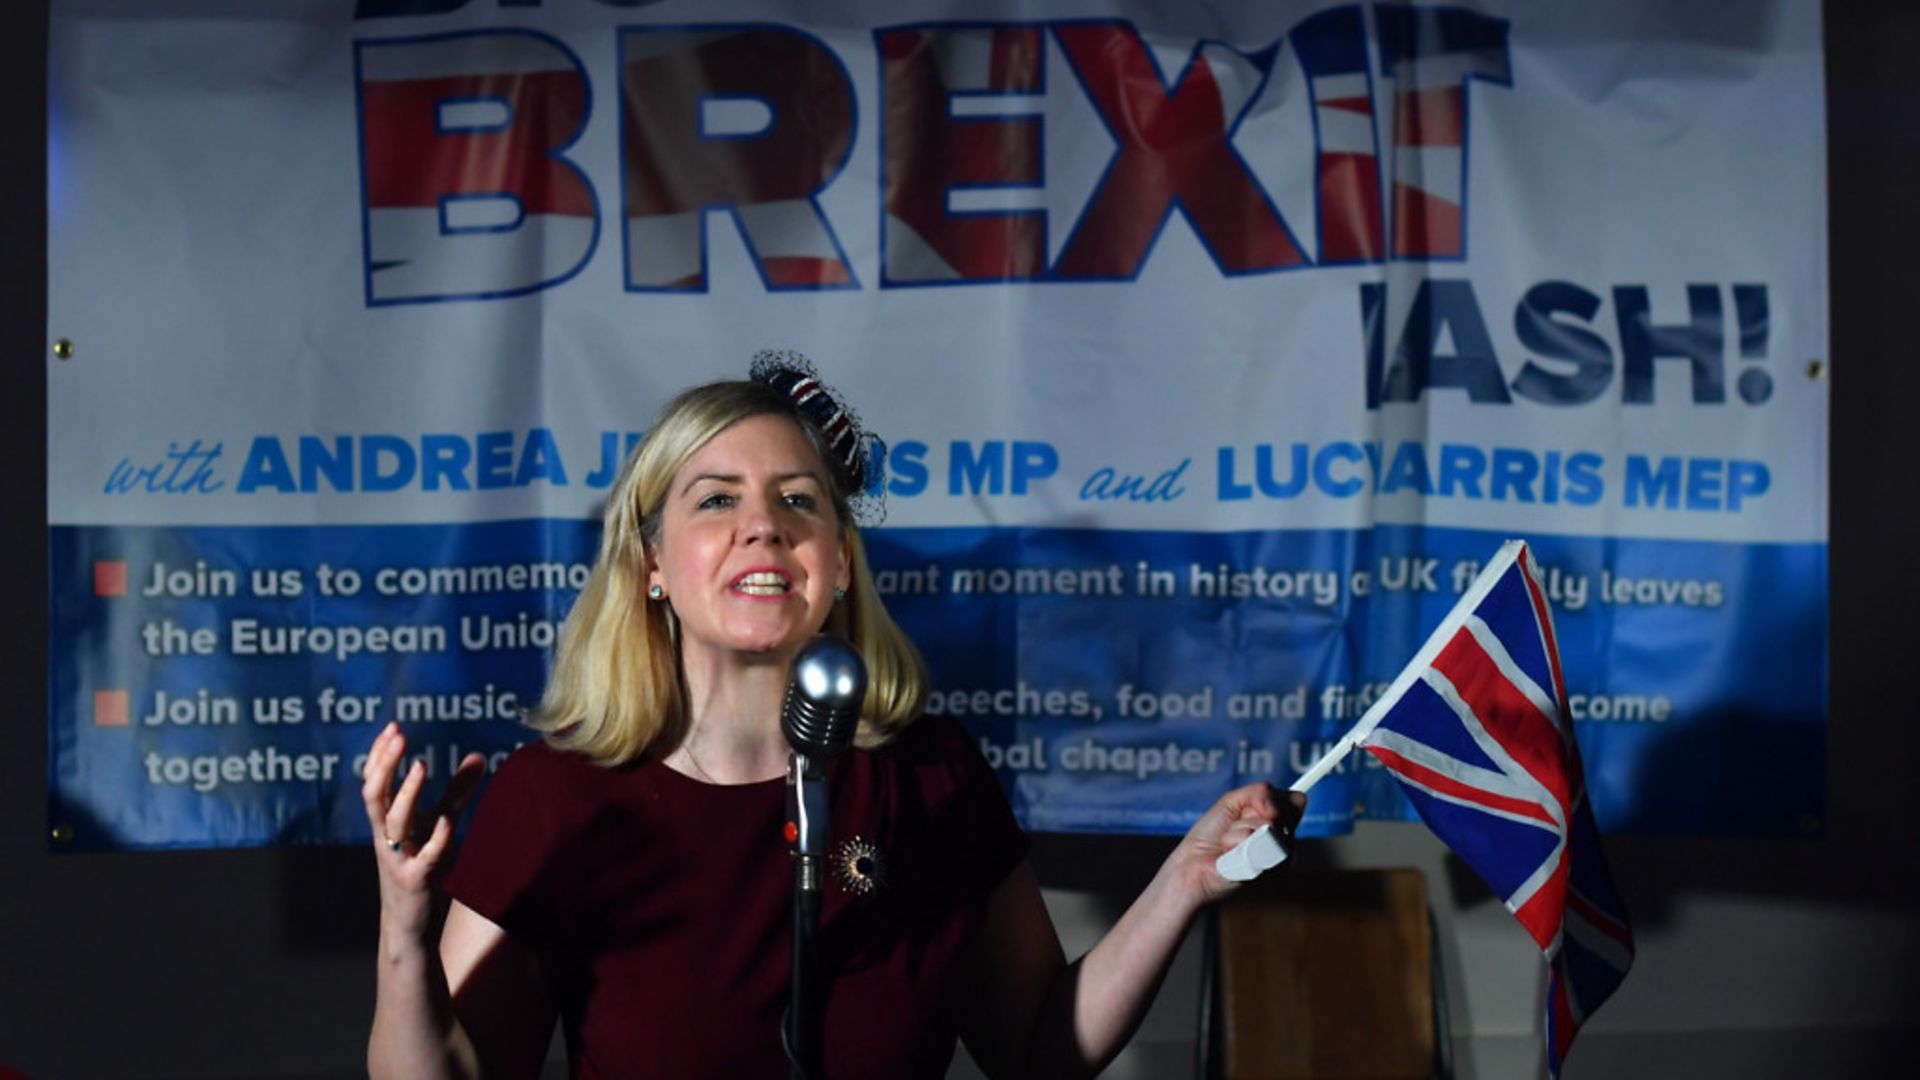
x=1231, y=820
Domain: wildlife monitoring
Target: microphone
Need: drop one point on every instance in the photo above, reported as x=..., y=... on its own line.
x=822, y=710
x=819, y=718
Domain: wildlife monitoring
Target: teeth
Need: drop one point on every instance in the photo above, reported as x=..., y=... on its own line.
x=765, y=583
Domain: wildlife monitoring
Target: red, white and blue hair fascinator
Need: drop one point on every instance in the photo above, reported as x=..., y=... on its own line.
x=856, y=456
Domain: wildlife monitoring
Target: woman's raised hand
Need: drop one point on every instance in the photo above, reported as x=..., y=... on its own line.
x=1230, y=820
x=409, y=864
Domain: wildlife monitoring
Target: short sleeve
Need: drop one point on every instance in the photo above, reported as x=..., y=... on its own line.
x=994, y=840
x=504, y=859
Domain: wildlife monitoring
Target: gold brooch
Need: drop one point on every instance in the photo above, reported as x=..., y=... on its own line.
x=858, y=863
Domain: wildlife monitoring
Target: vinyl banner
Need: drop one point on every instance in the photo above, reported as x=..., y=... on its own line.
x=1214, y=348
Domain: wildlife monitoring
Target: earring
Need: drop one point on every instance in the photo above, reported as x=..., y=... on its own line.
x=839, y=593
x=656, y=591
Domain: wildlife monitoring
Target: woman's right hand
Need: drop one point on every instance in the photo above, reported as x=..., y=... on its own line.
x=409, y=865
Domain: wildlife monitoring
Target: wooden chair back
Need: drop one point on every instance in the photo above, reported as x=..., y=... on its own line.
x=1326, y=975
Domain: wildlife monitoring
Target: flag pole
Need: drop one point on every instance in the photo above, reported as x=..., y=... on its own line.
x=1330, y=760
x=1262, y=850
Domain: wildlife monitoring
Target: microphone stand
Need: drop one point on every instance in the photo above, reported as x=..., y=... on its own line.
x=819, y=719
x=807, y=824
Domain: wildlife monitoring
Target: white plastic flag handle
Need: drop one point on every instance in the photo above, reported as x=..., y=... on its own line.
x=1253, y=856
x=1265, y=849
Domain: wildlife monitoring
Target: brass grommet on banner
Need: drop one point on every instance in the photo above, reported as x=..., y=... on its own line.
x=63, y=348
x=62, y=833
x=1815, y=369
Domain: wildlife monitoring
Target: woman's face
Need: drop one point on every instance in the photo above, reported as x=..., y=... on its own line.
x=750, y=549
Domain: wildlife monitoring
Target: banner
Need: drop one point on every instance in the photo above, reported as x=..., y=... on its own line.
x=1214, y=352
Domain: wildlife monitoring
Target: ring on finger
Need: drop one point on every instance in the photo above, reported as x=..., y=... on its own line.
x=395, y=845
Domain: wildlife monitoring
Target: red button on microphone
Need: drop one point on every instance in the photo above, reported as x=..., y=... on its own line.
x=792, y=832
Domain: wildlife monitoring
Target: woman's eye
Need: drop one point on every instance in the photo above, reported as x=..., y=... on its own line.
x=800, y=500
x=718, y=500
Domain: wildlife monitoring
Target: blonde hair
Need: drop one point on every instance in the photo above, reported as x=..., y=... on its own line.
x=616, y=686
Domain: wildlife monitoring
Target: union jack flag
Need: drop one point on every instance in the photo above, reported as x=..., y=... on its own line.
x=1476, y=732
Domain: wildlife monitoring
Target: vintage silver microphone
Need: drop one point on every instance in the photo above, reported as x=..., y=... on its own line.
x=819, y=718
x=822, y=709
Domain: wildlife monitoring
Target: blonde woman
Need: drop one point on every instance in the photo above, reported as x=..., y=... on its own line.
x=626, y=875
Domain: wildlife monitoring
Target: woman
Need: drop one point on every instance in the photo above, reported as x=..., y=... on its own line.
x=627, y=874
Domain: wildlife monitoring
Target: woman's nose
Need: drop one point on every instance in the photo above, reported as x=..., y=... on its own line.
x=762, y=524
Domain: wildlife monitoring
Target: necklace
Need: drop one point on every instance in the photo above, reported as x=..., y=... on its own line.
x=686, y=749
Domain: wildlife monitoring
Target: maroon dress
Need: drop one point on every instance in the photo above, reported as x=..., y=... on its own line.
x=662, y=906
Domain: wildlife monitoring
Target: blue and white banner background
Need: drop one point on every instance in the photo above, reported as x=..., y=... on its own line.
x=1214, y=349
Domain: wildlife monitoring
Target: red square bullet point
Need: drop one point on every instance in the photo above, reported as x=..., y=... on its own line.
x=109, y=708
x=110, y=578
